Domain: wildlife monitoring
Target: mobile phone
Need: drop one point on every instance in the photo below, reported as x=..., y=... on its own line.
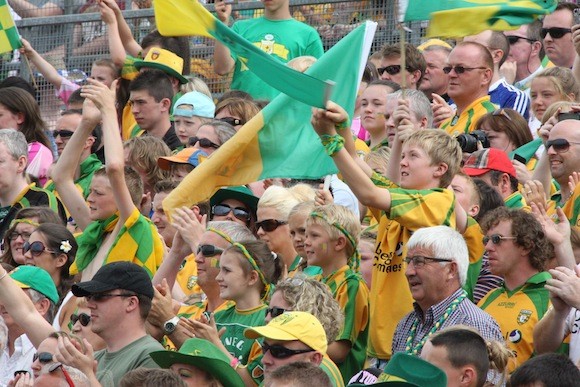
x=568, y=116
x=576, y=16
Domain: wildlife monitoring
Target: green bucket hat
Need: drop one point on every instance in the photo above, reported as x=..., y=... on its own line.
x=204, y=355
x=36, y=278
x=239, y=192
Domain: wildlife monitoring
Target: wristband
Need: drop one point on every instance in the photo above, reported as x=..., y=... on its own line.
x=332, y=144
x=235, y=363
x=342, y=125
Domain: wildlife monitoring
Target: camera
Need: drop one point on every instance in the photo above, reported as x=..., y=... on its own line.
x=468, y=142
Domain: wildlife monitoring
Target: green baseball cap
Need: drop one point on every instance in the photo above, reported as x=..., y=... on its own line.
x=203, y=355
x=238, y=192
x=36, y=278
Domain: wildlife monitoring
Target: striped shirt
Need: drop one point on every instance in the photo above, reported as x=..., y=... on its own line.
x=465, y=122
x=505, y=95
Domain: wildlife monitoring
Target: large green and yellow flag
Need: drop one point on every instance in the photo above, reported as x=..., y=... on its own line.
x=190, y=18
x=280, y=141
x=457, y=18
x=9, y=37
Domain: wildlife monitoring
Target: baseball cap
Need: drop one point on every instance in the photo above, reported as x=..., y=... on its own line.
x=290, y=326
x=116, y=275
x=239, y=192
x=489, y=159
x=201, y=105
x=433, y=42
x=408, y=370
x=189, y=155
x=35, y=278
x=203, y=355
x=164, y=60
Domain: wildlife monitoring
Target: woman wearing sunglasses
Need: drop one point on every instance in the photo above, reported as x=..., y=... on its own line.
x=236, y=204
x=236, y=111
x=80, y=325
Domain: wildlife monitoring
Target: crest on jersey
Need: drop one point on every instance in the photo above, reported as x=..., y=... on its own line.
x=524, y=316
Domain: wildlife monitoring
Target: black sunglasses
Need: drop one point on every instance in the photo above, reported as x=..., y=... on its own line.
x=555, y=32
x=232, y=121
x=203, y=142
x=42, y=357
x=560, y=145
x=15, y=234
x=392, y=69
x=83, y=318
x=281, y=352
x=101, y=296
x=62, y=133
x=209, y=250
x=513, y=39
x=275, y=311
x=223, y=209
x=36, y=248
x=461, y=69
x=496, y=239
x=270, y=225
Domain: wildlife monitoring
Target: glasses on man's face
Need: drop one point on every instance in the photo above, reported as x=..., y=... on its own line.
x=209, y=250
x=513, y=39
x=392, y=69
x=36, y=248
x=15, y=234
x=223, y=209
x=496, y=239
x=43, y=357
x=232, y=121
x=83, y=318
x=270, y=225
x=275, y=311
x=98, y=297
x=560, y=145
x=280, y=352
x=420, y=261
x=63, y=133
x=555, y=32
x=461, y=69
x=203, y=142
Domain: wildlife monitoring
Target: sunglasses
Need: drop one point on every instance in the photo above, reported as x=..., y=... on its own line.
x=232, y=121
x=101, y=296
x=63, y=133
x=35, y=248
x=496, y=239
x=281, y=352
x=209, y=250
x=270, y=225
x=203, y=142
x=555, y=32
x=461, y=69
x=223, y=209
x=58, y=366
x=392, y=69
x=83, y=318
x=514, y=39
x=42, y=357
x=420, y=261
x=560, y=145
x=15, y=234
x=275, y=311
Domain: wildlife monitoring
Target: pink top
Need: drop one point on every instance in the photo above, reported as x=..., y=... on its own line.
x=39, y=161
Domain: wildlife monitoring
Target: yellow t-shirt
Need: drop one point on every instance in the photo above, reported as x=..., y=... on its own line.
x=465, y=122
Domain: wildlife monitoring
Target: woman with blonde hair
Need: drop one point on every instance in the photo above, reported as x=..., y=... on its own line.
x=551, y=85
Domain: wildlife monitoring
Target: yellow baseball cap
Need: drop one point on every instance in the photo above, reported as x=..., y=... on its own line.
x=164, y=60
x=290, y=326
x=433, y=42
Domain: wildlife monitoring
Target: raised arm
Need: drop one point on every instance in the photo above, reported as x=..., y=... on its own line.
x=26, y=9
x=223, y=63
x=45, y=68
x=115, y=44
x=129, y=42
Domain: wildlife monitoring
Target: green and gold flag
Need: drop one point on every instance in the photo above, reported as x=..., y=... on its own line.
x=9, y=37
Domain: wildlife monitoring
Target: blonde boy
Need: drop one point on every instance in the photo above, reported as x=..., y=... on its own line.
x=331, y=244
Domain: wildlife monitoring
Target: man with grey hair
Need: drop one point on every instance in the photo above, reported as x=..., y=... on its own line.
x=435, y=80
x=437, y=261
x=411, y=107
x=15, y=191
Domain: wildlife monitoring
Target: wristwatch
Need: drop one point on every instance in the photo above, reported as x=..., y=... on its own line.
x=170, y=325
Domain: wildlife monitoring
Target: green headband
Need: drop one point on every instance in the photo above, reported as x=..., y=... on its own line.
x=222, y=234
x=24, y=220
x=354, y=259
x=255, y=267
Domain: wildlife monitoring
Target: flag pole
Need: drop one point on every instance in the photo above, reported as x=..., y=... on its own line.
x=402, y=41
x=30, y=71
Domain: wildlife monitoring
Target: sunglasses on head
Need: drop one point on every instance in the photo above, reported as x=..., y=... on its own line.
x=232, y=121
x=555, y=32
x=203, y=142
x=275, y=311
x=501, y=113
x=209, y=250
x=280, y=352
x=62, y=133
x=83, y=318
x=392, y=69
x=15, y=234
x=223, y=209
x=42, y=357
x=560, y=145
x=496, y=239
x=461, y=69
x=36, y=248
x=270, y=225
x=513, y=39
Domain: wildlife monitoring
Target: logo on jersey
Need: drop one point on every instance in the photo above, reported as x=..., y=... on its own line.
x=515, y=336
x=524, y=316
x=191, y=282
x=257, y=372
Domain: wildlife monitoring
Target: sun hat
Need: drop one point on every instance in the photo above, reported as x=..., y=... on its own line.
x=239, y=192
x=35, y=278
x=164, y=60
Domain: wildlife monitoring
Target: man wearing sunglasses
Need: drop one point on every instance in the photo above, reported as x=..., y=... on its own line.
x=526, y=53
x=518, y=251
x=391, y=69
x=291, y=337
x=557, y=35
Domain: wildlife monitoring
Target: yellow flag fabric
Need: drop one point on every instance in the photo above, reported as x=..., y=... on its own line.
x=9, y=37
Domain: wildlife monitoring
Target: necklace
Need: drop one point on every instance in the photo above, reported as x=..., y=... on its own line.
x=415, y=349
